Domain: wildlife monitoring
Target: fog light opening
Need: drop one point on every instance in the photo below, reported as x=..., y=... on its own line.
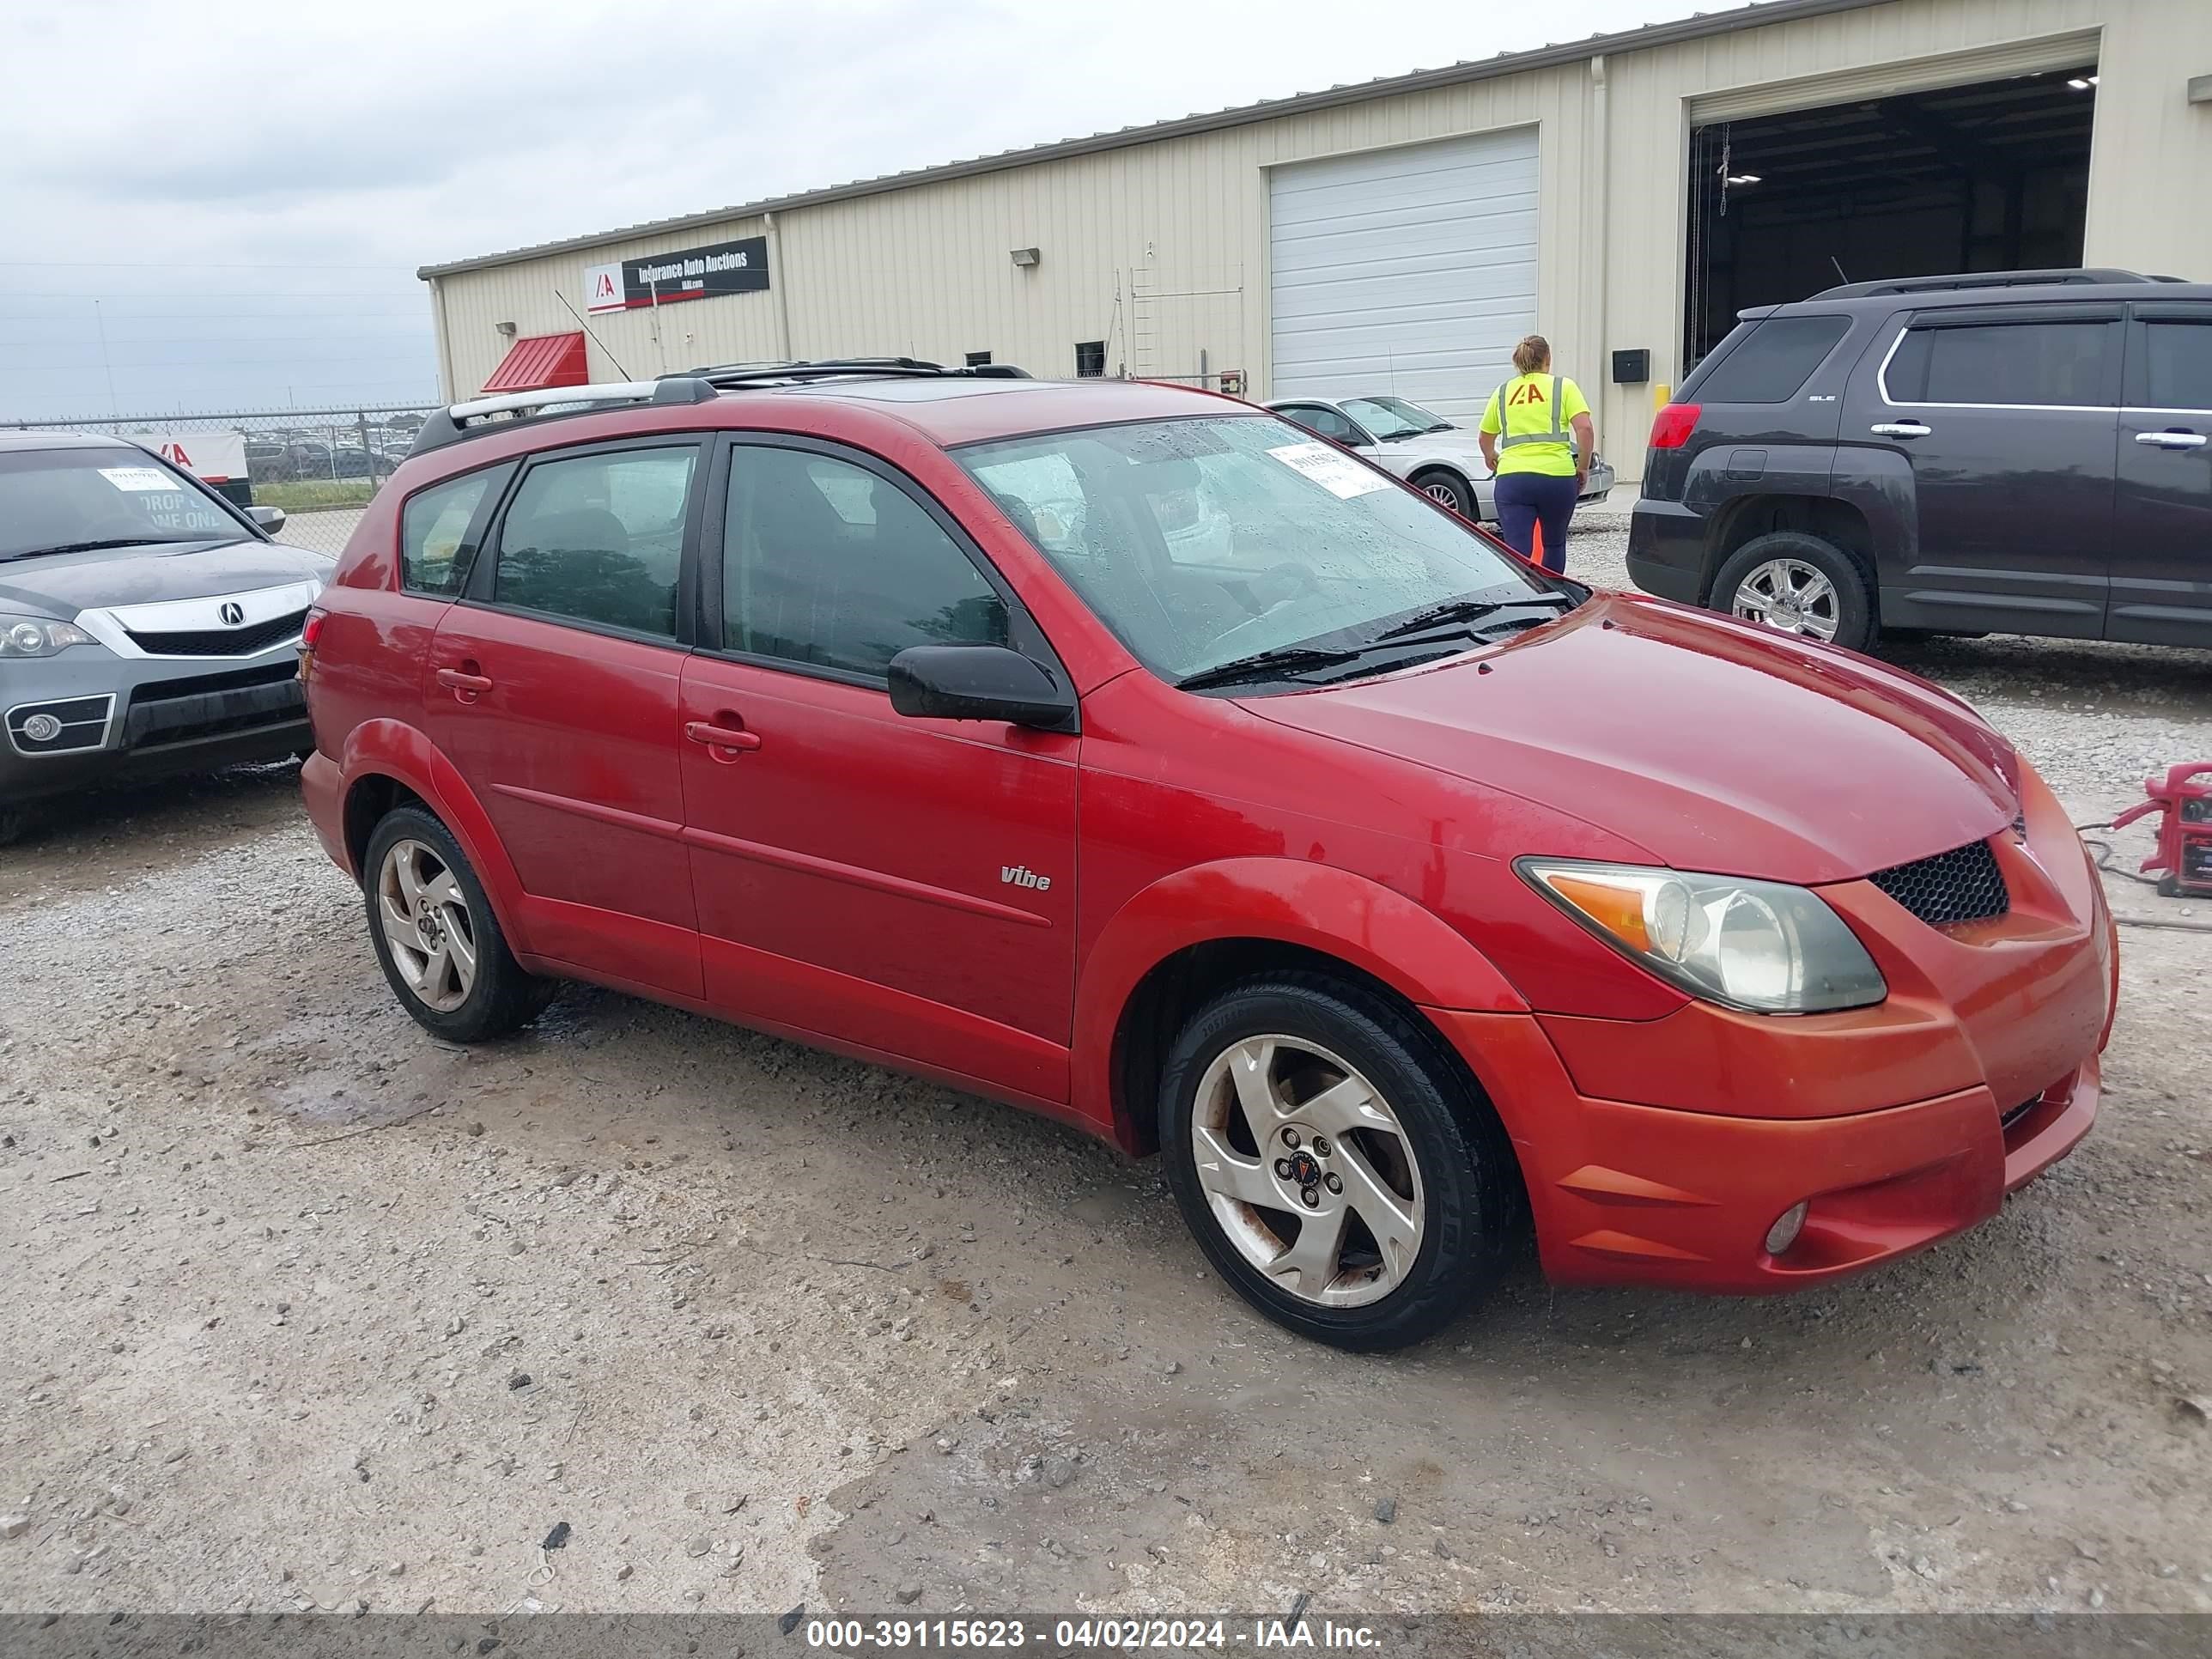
x=1783, y=1233
x=42, y=728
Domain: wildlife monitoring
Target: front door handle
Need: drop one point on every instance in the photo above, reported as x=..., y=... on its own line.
x=464, y=686
x=724, y=742
x=1898, y=429
x=2173, y=440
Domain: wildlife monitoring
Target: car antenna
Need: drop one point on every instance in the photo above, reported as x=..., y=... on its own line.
x=1839, y=264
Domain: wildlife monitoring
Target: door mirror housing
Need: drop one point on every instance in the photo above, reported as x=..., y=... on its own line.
x=980, y=682
x=270, y=519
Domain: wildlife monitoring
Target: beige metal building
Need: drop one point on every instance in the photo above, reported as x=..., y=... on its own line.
x=1626, y=193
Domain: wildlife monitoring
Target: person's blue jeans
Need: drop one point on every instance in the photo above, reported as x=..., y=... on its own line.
x=1526, y=500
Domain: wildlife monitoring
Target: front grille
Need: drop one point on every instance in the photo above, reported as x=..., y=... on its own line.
x=224, y=641
x=1962, y=885
x=214, y=705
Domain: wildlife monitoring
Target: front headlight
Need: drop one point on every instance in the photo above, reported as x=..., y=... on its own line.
x=38, y=637
x=1762, y=946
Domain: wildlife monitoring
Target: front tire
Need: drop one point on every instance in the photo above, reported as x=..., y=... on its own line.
x=435, y=935
x=1447, y=490
x=1799, y=583
x=1339, y=1169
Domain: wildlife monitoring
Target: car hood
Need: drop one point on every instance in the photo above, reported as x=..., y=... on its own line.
x=1714, y=745
x=1459, y=440
x=62, y=584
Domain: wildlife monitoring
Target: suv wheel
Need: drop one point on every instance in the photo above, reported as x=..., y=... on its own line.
x=435, y=935
x=1798, y=584
x=1337, y=1169
x=1447, y=491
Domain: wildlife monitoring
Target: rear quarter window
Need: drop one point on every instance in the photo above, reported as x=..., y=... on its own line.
x=1773, y=360
x=436, y=549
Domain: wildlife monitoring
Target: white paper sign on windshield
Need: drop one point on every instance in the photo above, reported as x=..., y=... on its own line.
x=1331, y=468
x=139, y=478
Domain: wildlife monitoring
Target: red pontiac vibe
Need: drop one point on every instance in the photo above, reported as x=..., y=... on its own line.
x=1120, y=752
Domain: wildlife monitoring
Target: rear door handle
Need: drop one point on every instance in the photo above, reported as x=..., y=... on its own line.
x=464, y=686
x=2173, y=440
x=724, y=742
x=1898, y=429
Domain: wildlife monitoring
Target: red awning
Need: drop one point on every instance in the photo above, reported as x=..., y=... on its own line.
x=541, y=360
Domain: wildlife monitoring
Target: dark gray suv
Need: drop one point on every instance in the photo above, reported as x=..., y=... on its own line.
x=147, y=626
x=2013, y=451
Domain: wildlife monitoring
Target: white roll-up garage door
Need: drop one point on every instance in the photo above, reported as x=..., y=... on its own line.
x=1411, y=270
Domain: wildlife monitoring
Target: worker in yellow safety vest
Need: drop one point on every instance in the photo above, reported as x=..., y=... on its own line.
x=1537, y=437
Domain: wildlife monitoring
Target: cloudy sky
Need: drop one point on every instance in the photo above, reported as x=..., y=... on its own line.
x=221, y=205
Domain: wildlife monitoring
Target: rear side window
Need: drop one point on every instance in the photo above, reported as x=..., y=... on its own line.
x=2177, y=364
x=2014, y=363
x=1773, y=360
x=434, y=548
x=600, y=539
x=827, y=563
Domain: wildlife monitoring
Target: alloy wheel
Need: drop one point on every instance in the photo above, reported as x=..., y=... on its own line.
x=427, y=927
x=1791, y=595
x=1307, y=1170
x=1442, y=492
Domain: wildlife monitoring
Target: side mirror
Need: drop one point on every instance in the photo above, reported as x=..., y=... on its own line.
x=270, y=519
x=980, y=682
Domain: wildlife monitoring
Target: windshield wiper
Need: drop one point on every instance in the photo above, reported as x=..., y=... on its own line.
x=1465, y=610
x=1282, y=661
x=106, y=542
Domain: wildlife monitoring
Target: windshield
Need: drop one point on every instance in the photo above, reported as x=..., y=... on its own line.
x=1205, y=542
x=1394, y=417
x=51, y=499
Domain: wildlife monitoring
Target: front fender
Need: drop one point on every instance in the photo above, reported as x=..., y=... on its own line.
x=1318, y=907
x=395, y=750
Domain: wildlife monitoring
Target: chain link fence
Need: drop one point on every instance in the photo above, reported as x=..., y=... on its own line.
x=321, y=465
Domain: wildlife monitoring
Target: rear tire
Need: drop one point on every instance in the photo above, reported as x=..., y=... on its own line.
x=1799, y=583
x=1392, y=1153
x=436, y=936
x=1448, y=490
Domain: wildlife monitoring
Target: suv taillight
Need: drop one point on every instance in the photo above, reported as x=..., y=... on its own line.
x=314, y=631
x=1671, y=426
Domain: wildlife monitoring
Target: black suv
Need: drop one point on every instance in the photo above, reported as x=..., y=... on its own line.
x=2010, y=451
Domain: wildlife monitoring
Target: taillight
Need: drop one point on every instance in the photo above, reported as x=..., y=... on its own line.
x=1671, y=426
x=314, y=631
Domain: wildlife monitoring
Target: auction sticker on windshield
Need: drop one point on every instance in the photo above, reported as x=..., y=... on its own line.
x=138, y=478
x=1334, y=471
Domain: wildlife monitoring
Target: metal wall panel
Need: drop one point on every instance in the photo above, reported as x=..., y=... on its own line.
x=1162, y=249
x=1410, y=270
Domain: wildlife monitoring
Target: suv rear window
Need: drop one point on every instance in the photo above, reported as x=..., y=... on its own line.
x=1773, y=360
x=2007, y=363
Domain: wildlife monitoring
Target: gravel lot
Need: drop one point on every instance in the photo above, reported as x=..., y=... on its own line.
x=306, y=1310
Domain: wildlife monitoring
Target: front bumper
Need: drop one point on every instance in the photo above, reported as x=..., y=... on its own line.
x=1629, y=1194
x=1661, y=1151
x=129, y=719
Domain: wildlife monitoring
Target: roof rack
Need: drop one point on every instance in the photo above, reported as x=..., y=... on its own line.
x=2069, y=276
x=480, y=414
x=799, y=372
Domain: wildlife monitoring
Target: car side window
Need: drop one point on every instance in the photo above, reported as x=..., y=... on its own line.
x=598, y=537
x=2019, y=364
x=434, y=550
x=2176, y=364
x=1324, y=422
x=830, y=564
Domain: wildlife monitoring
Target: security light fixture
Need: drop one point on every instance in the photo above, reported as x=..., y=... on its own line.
x=1025, y=257
x=507, y=329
